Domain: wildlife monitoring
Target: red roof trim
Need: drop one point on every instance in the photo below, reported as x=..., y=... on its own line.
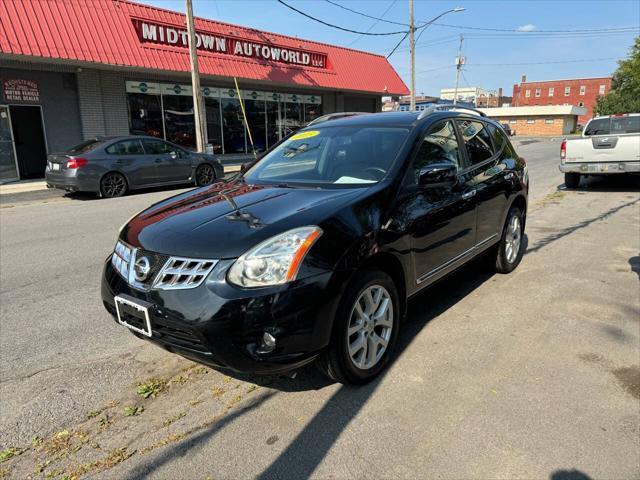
x=102, y=31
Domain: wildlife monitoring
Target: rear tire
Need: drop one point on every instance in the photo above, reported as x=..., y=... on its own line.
x=511, y=247
x=365, y=329
x=572, y=180
x=113, y=185
x=205, y=175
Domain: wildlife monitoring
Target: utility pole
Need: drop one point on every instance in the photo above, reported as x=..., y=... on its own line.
x=412, y=49
x=198, y=106
x=458, y=68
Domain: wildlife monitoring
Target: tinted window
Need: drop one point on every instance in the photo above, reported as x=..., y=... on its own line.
x=477, y=140
x=157, y=147
x=440, y=145
x=500, y=142
x=127, y=147
x=598, y=127
x=331, y=155
x=85, y=146
x=620, y=125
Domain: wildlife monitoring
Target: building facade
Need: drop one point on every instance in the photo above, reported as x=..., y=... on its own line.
x=493, y=100
x=579, y=92
x=114, y=67
x=543, y=120
x=466, y=94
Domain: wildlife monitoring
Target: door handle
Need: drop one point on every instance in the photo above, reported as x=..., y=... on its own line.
x=468, y=195
x=158, y=160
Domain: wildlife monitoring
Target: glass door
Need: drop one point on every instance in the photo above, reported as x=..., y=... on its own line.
x=8, y=166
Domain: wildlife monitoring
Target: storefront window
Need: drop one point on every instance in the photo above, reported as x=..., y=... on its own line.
x=233, y=126
x=145, y=114
x=311, y=112
x=293, y=117
x=179, y=121
x=257, y=124
x=273, y=123
x=214, y=124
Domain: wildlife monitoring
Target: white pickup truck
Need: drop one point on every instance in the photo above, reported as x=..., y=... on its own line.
x=609, y=145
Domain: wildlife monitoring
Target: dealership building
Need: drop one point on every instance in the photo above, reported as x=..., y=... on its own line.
x=74, y=70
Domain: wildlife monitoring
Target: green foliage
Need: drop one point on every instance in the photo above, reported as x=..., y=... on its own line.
x=133, y=411
x=151, y=388
x=9, y=453
x=624, y=96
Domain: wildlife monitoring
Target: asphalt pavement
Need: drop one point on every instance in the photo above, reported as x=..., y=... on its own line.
x=535, y=374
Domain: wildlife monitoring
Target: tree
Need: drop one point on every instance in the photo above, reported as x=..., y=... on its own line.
x=624, y=96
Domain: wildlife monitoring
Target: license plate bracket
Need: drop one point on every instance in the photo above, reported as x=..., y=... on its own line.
x=133, y=314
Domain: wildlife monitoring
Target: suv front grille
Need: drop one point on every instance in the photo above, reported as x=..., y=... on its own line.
x=145, y=270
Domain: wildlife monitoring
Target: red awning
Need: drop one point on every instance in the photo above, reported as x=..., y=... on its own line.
x=122, y=33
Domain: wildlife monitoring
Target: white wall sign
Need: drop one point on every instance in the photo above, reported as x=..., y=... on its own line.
x=210, y=92
x=313, y=99
x=175, y=89
x=143, y=87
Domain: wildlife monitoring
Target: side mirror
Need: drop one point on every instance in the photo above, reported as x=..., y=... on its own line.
x=438, y=175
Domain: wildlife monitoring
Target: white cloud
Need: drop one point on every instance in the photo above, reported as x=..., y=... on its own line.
x=529, y=27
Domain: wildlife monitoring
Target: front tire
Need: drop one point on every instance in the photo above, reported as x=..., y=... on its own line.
x=205, y=175
x=572, y=180
x=113, y=185
x=511, y=247
x=365, y=330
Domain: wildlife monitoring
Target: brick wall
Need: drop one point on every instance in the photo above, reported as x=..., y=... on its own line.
x=588, y=99
x=562, y=125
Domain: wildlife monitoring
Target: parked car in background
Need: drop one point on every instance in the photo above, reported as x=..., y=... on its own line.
x=608, y=145
x=111, y=166
x=507, y=129
x=312, y=253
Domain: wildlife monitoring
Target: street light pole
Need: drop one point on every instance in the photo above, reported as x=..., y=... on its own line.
x=458, y=67
x=198, y=107
x=412, y=45
x=412, y=50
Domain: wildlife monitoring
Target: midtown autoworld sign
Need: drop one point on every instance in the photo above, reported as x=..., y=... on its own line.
x=149, y=32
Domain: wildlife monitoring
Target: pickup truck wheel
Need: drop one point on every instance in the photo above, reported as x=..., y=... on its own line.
x=572, y=180
x=365, y=329
x=511, y=247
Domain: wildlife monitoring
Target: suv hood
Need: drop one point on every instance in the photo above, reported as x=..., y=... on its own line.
x=225, y=220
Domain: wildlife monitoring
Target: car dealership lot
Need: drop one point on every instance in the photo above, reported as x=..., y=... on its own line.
x=498, y=376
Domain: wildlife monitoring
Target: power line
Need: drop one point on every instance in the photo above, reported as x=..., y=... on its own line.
x=378, y=19
x=465, y=27
x=374, y=23
x=338, y=27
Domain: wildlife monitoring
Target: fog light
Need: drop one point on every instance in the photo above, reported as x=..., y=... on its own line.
x=268, y=343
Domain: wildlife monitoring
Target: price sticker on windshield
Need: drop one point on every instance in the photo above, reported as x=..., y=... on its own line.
x=304, y=135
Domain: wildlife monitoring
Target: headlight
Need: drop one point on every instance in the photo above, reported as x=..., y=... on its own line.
x=274, y=261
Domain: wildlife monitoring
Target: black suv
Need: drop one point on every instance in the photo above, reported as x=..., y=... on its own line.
x=312, y=253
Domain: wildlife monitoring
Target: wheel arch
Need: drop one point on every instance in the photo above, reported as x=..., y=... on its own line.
x=392, y=266
x=520, y=202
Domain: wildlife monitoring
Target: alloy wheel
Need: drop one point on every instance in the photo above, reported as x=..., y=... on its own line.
x=113, y=185
x=204, y=175
x=370, y=327
x=513, y=239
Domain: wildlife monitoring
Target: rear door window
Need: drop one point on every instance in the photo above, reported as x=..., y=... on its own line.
x=157, y=147
x=126, y=147
x=601, y=126
x=477, y=139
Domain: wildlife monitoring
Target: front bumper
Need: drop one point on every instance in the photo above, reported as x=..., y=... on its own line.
x=602, y=168
x=221, y=326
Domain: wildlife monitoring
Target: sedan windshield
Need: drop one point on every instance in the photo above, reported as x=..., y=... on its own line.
x=331, y=156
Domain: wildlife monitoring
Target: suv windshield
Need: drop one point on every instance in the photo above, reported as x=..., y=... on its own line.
x=331, y=156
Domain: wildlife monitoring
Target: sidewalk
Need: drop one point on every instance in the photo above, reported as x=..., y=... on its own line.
x=23, y=186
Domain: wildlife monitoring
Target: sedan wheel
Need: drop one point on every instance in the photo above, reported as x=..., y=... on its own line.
x=205, y=175
x=113, y=185
x=370, y=327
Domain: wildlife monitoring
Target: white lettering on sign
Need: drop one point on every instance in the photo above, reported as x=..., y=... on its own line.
x=155, y=33
x=19, y=90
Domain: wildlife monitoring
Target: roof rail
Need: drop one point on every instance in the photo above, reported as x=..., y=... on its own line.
x=334, y=116
x=434, y=108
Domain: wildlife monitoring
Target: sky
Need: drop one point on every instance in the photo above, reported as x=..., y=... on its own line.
x=494, y=58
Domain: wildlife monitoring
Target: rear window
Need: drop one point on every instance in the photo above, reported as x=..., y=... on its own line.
x=613, y=126
x=85, y=146
x=126, y=147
